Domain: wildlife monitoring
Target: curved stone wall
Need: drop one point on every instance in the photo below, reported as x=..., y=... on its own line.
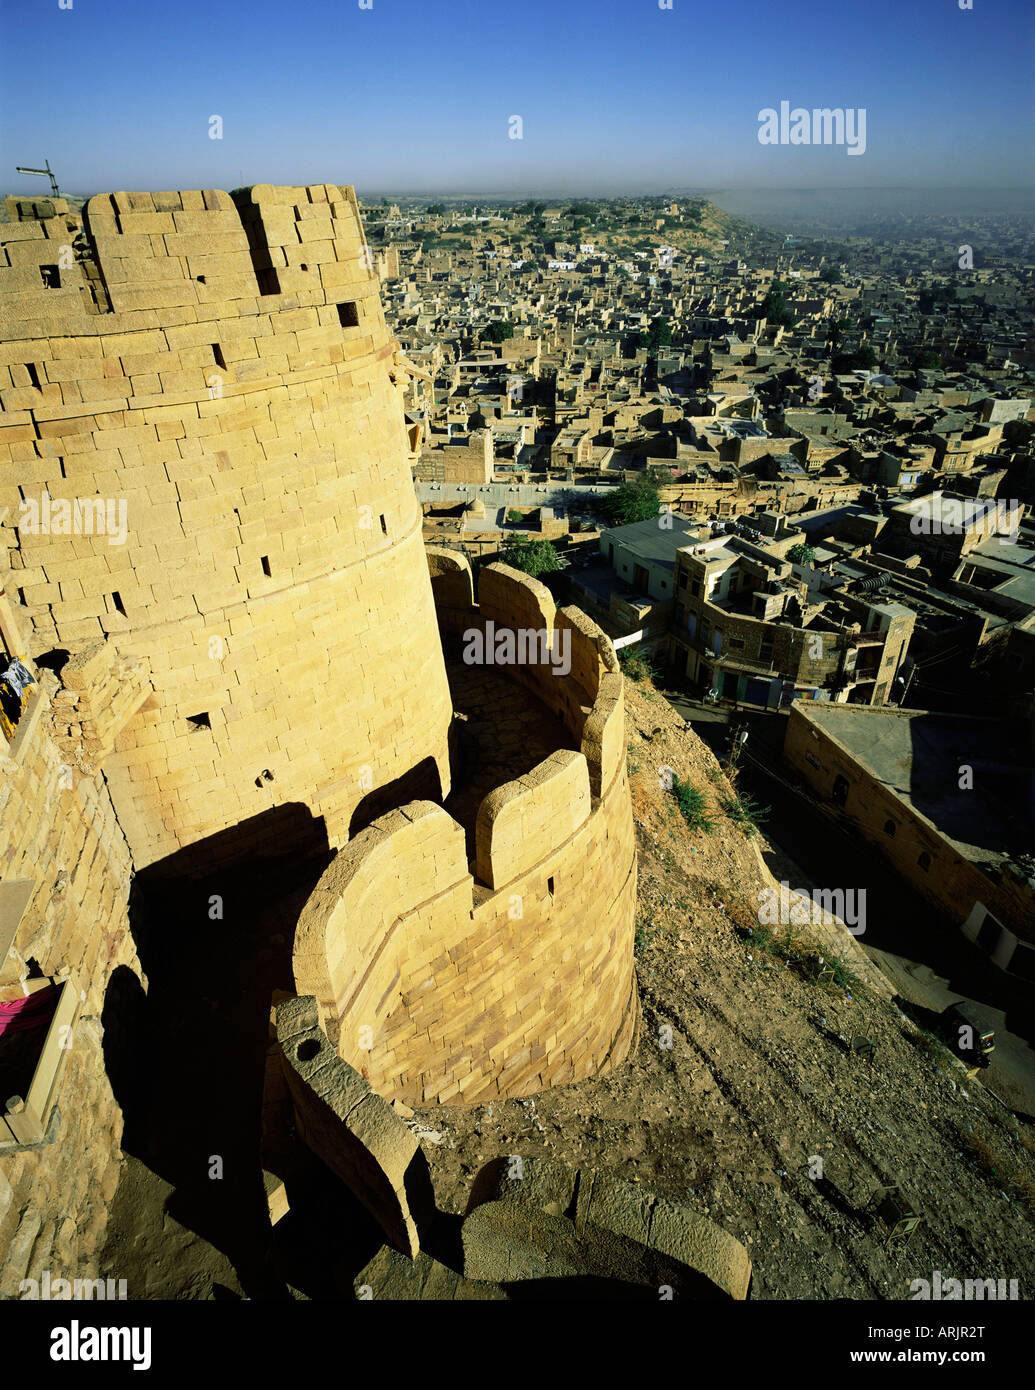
x=226, y=394
x=439, y=986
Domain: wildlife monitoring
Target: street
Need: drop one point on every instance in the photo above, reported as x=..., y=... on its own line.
x=922, y=953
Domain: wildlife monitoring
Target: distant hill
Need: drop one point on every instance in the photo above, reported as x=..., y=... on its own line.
x=704, y=229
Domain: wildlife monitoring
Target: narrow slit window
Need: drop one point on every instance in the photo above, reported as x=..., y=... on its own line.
x=116, y=599
x=384, y=525
x=549, y=886
x=34, y=376
x=217, y=356
x=266, y=567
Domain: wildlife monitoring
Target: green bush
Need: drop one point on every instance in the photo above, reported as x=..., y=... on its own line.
x=643, y=937
x=531, y=557
x=639, y=501
x=745, y=812
x=693, y=805
x=637, y=668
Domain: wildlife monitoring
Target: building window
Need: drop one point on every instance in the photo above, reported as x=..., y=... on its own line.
x=683, y=579
x=348, y=315
x=924, y=861
x=889, y=827
x=736, y=644
x=51, y=276
x=266, y=567
x=199, y=721
x=765, y=651
x=695, y=588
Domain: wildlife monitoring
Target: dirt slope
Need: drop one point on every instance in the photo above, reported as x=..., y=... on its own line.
x=760, y=1081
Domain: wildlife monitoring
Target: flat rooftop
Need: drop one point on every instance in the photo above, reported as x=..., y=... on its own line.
x=918, y=755
x=650, y=541
x=949, y=509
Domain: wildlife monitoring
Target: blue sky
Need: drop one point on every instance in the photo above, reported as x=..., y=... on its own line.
x=416, y=95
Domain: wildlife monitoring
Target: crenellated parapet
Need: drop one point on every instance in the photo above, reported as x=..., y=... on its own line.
x=443, y=980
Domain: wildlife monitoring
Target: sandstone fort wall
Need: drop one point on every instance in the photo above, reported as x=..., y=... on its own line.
x=239, y=399
x=440, y=985
x=62, y=841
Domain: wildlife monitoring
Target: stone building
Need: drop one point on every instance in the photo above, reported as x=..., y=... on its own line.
x=747, y=629
x=946, y=799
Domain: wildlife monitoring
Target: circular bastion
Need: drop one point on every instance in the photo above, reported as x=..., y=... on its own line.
x=455, y=962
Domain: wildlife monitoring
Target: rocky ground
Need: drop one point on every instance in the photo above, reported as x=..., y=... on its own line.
x=759, y=1113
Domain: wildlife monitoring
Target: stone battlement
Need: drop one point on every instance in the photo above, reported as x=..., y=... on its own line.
x=143, y=262
x=237, y=415
x=442, y=980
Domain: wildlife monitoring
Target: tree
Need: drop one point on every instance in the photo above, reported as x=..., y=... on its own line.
x=802, y=554
x=658, y=335
x=831, y=275
x=639, y=501
x=435, y=209
x=866, y=357
x=498, y=331
x=863, y=359
x=775, y=308
x=530, y=556
x=926, y=357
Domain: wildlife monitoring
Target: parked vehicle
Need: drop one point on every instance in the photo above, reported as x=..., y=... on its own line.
x=969, y=1036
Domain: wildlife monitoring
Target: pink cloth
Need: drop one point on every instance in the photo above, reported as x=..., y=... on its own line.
x=31, y=1011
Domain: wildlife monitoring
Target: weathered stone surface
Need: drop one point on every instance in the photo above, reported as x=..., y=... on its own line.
x=352, y=1129
x=559, y=1223
x=391, y=1278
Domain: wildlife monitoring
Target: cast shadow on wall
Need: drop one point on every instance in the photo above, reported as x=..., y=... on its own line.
x=213, y=926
